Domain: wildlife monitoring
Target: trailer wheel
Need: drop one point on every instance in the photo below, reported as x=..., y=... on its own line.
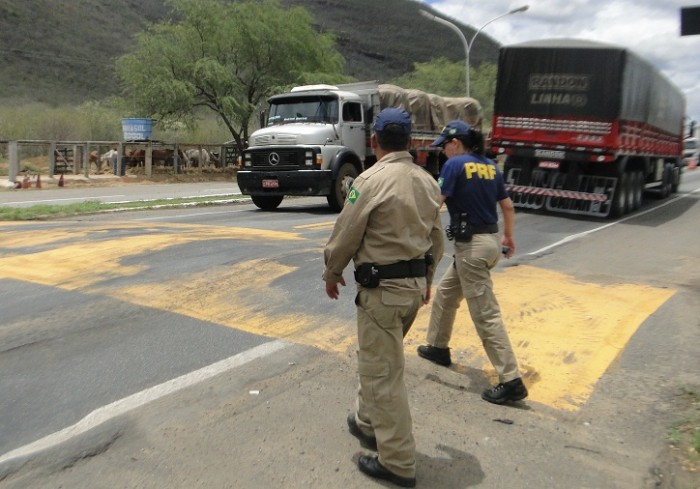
x=675, y=179
x=638, y=186
x=619, y=203
x=267, y=202
x=341, y=187
x=666, y=186
x=631, y=188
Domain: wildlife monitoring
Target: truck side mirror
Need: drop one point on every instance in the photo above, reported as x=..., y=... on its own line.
x=263, y=118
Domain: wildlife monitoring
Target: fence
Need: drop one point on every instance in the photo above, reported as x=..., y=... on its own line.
x=146, y=157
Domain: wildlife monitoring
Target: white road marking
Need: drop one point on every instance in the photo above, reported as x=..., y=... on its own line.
x=117, y=408
x=574, y=237
x=57, y=200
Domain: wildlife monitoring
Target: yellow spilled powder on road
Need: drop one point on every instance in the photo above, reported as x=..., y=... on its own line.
x=233, y=297
x=81, y=258
x=565, y=333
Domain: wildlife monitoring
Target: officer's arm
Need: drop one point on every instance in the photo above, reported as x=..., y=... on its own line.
x=508, y=211
x=437, y=248
x=346, y=238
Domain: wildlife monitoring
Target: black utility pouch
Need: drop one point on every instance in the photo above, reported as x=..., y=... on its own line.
x=461, y=229
x=367, y=275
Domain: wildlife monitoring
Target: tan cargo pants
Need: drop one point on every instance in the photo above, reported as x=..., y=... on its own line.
x=383, y=319
x=471, y=278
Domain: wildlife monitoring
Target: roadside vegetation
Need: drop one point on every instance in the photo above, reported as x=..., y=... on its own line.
x=684, y=434
x=46, y=212
x=204, y=69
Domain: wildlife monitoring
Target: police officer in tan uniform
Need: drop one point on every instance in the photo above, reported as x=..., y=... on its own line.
x=472, y=186
x=390, y=227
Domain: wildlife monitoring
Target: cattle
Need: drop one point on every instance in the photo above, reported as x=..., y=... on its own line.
x=99, y=159
x=194, y=156
x=162, y=156
x=109, y=156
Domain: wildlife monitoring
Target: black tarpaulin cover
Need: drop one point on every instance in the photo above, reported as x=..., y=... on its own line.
x=583, y=79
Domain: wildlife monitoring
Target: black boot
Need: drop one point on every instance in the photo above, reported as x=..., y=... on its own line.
x=372, y=467
x=513, y=390
x=366, y=441
x=441, y=356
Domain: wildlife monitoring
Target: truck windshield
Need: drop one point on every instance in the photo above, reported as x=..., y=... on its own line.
x=303, y=109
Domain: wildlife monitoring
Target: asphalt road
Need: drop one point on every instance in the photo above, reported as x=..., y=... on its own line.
x=196, y=348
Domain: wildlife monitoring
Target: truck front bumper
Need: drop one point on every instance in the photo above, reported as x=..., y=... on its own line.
x=298, y=182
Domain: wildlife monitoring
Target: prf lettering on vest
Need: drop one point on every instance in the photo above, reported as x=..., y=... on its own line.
x=480, y=170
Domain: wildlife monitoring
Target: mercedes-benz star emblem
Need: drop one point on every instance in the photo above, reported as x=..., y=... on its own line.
x=274, y=159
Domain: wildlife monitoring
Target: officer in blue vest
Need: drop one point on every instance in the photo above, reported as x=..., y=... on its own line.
x=472, y=186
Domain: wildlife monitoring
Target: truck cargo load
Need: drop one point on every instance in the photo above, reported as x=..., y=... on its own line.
x=586, y=127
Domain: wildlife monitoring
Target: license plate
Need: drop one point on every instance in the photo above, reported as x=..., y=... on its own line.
x=268, y=183
x=550, y=165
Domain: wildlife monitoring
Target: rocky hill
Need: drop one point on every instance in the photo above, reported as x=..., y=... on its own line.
x=63, y=52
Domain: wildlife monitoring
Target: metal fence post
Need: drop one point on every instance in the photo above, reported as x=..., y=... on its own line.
x=13, y=149
x=52, y=159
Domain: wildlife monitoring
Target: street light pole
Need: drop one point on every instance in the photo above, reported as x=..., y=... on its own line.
x=468, y=45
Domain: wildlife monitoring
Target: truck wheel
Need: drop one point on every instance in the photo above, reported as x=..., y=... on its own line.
x=666, y=186
x=267, y=202
x=631, y=186
x=638, y=179
x=619, y=202
x=341, y=187
x=675, y=179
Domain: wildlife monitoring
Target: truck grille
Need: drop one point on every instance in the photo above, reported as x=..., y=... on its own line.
x=278, y=158
x=269, y=139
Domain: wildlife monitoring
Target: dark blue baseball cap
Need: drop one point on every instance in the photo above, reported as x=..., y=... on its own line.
x=451, y=131
x=399, y=119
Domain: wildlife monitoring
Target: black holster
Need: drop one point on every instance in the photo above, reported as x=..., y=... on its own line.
x=459, y=229
x=367, y=275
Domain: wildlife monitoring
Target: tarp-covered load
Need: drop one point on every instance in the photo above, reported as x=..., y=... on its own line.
x=587, y=80
x=465, y=109
x=438, y=112
x=430, y=112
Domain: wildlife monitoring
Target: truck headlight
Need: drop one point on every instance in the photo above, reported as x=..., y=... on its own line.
x=309, y=157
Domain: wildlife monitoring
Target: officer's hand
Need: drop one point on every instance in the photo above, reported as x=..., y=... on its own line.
x=426, y=297
x=332, y=288
x=508, y=246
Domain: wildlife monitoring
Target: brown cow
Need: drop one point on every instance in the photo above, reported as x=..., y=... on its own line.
x=163, y=156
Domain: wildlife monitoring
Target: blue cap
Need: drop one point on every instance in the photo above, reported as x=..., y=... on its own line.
x=398, y=118
x=451, y=131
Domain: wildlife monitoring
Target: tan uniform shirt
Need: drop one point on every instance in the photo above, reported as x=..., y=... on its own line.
x=392, y=214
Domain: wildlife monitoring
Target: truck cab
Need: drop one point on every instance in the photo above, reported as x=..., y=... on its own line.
x=691, y=151
x=315, y=142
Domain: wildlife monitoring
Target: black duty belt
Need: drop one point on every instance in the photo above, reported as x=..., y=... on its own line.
x=403, y=269
x=487, y=229
x=471, y=231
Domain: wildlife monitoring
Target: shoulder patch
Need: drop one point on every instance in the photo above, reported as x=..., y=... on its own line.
x=440, y=181
x=353, y=195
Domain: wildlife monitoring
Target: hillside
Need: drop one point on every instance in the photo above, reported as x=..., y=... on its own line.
x=67, y=56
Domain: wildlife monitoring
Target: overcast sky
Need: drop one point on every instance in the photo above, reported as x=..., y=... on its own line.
x=649, y=27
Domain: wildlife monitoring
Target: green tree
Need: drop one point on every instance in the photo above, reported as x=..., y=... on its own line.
x=226, y=57
x=448, y=79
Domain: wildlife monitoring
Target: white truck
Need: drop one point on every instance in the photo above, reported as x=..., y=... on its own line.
x=314, y=139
